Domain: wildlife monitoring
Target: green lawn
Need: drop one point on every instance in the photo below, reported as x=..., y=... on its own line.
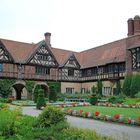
x=127, y=112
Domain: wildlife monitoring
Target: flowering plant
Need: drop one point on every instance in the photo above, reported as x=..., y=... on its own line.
x=96, y=113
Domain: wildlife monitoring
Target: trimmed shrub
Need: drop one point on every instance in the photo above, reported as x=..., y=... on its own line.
x=127, y=85
x=50, y=116
x=52, y=94
x=135, y=85
x=118, y=87
x=93, y=99
x=41, y=100
x=99, y=87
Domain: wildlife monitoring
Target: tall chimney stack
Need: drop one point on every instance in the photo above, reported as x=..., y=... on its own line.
x=130, y=23
x=136, y=24
x=48, y=38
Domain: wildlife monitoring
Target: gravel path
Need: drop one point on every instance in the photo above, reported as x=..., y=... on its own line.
x=118, y=131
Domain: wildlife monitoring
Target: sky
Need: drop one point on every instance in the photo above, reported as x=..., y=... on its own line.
x=74, y=24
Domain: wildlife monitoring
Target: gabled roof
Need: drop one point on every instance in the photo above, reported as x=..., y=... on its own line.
x=101, y=55
x=19, y=51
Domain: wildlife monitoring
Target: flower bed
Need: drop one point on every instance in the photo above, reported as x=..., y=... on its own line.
x=119, y=105
x=23, y=103
x=97, y=115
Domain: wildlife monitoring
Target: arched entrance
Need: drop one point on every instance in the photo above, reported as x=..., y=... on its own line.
x=20, y=90
x=43, y=86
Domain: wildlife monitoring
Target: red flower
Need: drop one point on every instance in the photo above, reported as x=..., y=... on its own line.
x=116, y=116
x=81, y=110
x=96, y=113
x=138, y=118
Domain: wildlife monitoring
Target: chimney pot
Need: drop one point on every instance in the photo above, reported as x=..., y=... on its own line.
x=48, y=38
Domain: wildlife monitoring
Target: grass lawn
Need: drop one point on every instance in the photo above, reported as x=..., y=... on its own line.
x=127, y=112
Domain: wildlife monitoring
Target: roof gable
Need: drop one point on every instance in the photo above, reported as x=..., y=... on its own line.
x=72, y=62
x=43, y=56
x=5, y=56
x=19, y=51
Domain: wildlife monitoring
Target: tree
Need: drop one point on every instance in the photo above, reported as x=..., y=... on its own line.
x=52, y=94
x=135, y=85
x=36, y=92
x=5, y=87
x=118, y=87
x=94, y=89
x=127, y=85
x=99, y=87
x=41, y=99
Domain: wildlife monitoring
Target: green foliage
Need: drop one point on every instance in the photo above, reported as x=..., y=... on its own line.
x=99, y=87
x=52, y=94
x=117, y=99
x=135, y=85
x=77, y=96
x=56, y=85
x=8, y=122
x=3, y=100
x=50, y=115
x=83, y=134
x=94, y=89
x=30, y=86
x=127, y=85
x=118, y=87
x=112, y=99
x=5, y=87
x=137, y=95
x=36, y=92
x=41, y=100
x=93, y=99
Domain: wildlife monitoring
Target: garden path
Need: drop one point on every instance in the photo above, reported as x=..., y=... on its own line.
x=118, y=131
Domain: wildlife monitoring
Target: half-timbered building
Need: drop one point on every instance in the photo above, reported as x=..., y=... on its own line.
x=76, y=71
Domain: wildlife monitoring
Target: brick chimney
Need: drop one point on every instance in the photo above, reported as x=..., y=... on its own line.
x=48, y=38
x=136, y=24
x=130, y=23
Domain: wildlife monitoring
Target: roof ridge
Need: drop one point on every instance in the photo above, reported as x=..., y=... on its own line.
x=17, y=41
x=104, y=44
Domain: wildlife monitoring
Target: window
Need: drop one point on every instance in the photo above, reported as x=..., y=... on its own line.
x=138, y=56
x=1, y=67
x=107, y=90
x=69, y=90
x=42, y=70
x=70, y=72
x=110, y=68
x=42, y=57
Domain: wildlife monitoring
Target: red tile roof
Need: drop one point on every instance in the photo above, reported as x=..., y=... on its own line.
x=20, y=51
x=111, y=52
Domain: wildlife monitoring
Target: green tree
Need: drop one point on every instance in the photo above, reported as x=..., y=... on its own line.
x=94, y=89
x=118, y=87
x=41, y=99
x=99, y=87
x=36, y=92
x=5, y=87
x=127, y=85
x=52, y=94
x=135, y=85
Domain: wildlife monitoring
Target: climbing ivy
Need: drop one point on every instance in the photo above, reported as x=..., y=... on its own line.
x=30, y=85
x=5, y=86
